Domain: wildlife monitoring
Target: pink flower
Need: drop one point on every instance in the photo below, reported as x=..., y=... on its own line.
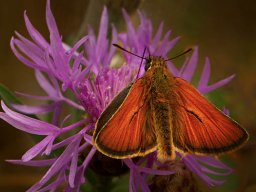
x=93, y=83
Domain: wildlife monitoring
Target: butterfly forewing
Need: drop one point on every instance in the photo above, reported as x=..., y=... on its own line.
x=129, y=130
x=201, y=128
x=111, y=110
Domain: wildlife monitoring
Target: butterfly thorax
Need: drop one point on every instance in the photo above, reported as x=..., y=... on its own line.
x=160, y=99
x=158, y=77
x=154, y=61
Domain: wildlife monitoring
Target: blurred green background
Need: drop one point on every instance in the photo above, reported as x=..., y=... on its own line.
x=225, y=31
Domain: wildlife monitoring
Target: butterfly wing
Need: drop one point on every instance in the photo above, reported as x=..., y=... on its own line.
x=201, y=128
x=125, y=129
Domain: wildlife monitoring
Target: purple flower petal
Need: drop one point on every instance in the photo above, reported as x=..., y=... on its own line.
x=188, y=72
x=89, y=157
x=27, y=124
x=34, y=109
x=57, y=113
x=60, y=162
x=163, y=44
x=137, y=176
x=54, y=185
x=35, y=35
x=213, y=162
x=158, y=35
x=217, y=85
x=132, y=187
x=131, y=31
x=226, y=111
x=48, y=149
x=205, y=76
x=209, y=171
x=101, y=42
x=29, y=48
x=172, y=68
x=154, y=171
x=72, y=51
x=52, y=26
x=35, y=187
x=23, y=59
x=167, y=46
x=37, y=149
x=67, y=141
x=34, y=163
x=194, y=165
x=46, y=85
x=73, y=166
x=34, y=96
x=144, y=30
x=79, y=180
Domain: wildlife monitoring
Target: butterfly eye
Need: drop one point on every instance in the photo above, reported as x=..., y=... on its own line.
x=148, y=64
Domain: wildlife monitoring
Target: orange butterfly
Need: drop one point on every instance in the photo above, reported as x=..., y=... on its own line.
x=163, y=112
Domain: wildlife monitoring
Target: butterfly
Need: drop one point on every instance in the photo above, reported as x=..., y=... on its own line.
x=164, y=113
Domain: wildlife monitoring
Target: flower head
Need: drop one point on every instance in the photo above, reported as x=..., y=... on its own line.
x=88, y=74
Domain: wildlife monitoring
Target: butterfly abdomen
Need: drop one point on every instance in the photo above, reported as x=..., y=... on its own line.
x=163, y=125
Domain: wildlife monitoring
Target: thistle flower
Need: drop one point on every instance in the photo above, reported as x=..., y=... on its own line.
x=89, y=76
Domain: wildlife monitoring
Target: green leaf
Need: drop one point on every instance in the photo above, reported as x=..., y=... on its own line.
x=217, y=98
x=100, y=183
x=121, y=183
x=7, y=96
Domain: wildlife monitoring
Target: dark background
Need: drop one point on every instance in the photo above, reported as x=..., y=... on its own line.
x=225, y=31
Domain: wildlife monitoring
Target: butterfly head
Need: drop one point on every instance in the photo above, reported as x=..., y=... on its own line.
x=154, y=61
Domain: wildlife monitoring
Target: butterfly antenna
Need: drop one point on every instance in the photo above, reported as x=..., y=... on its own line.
x=185, y=52
x=141, y=63
x=123, y=49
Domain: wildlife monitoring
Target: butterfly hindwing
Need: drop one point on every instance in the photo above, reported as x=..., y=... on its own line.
x=125, y=129
x=201, y=128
